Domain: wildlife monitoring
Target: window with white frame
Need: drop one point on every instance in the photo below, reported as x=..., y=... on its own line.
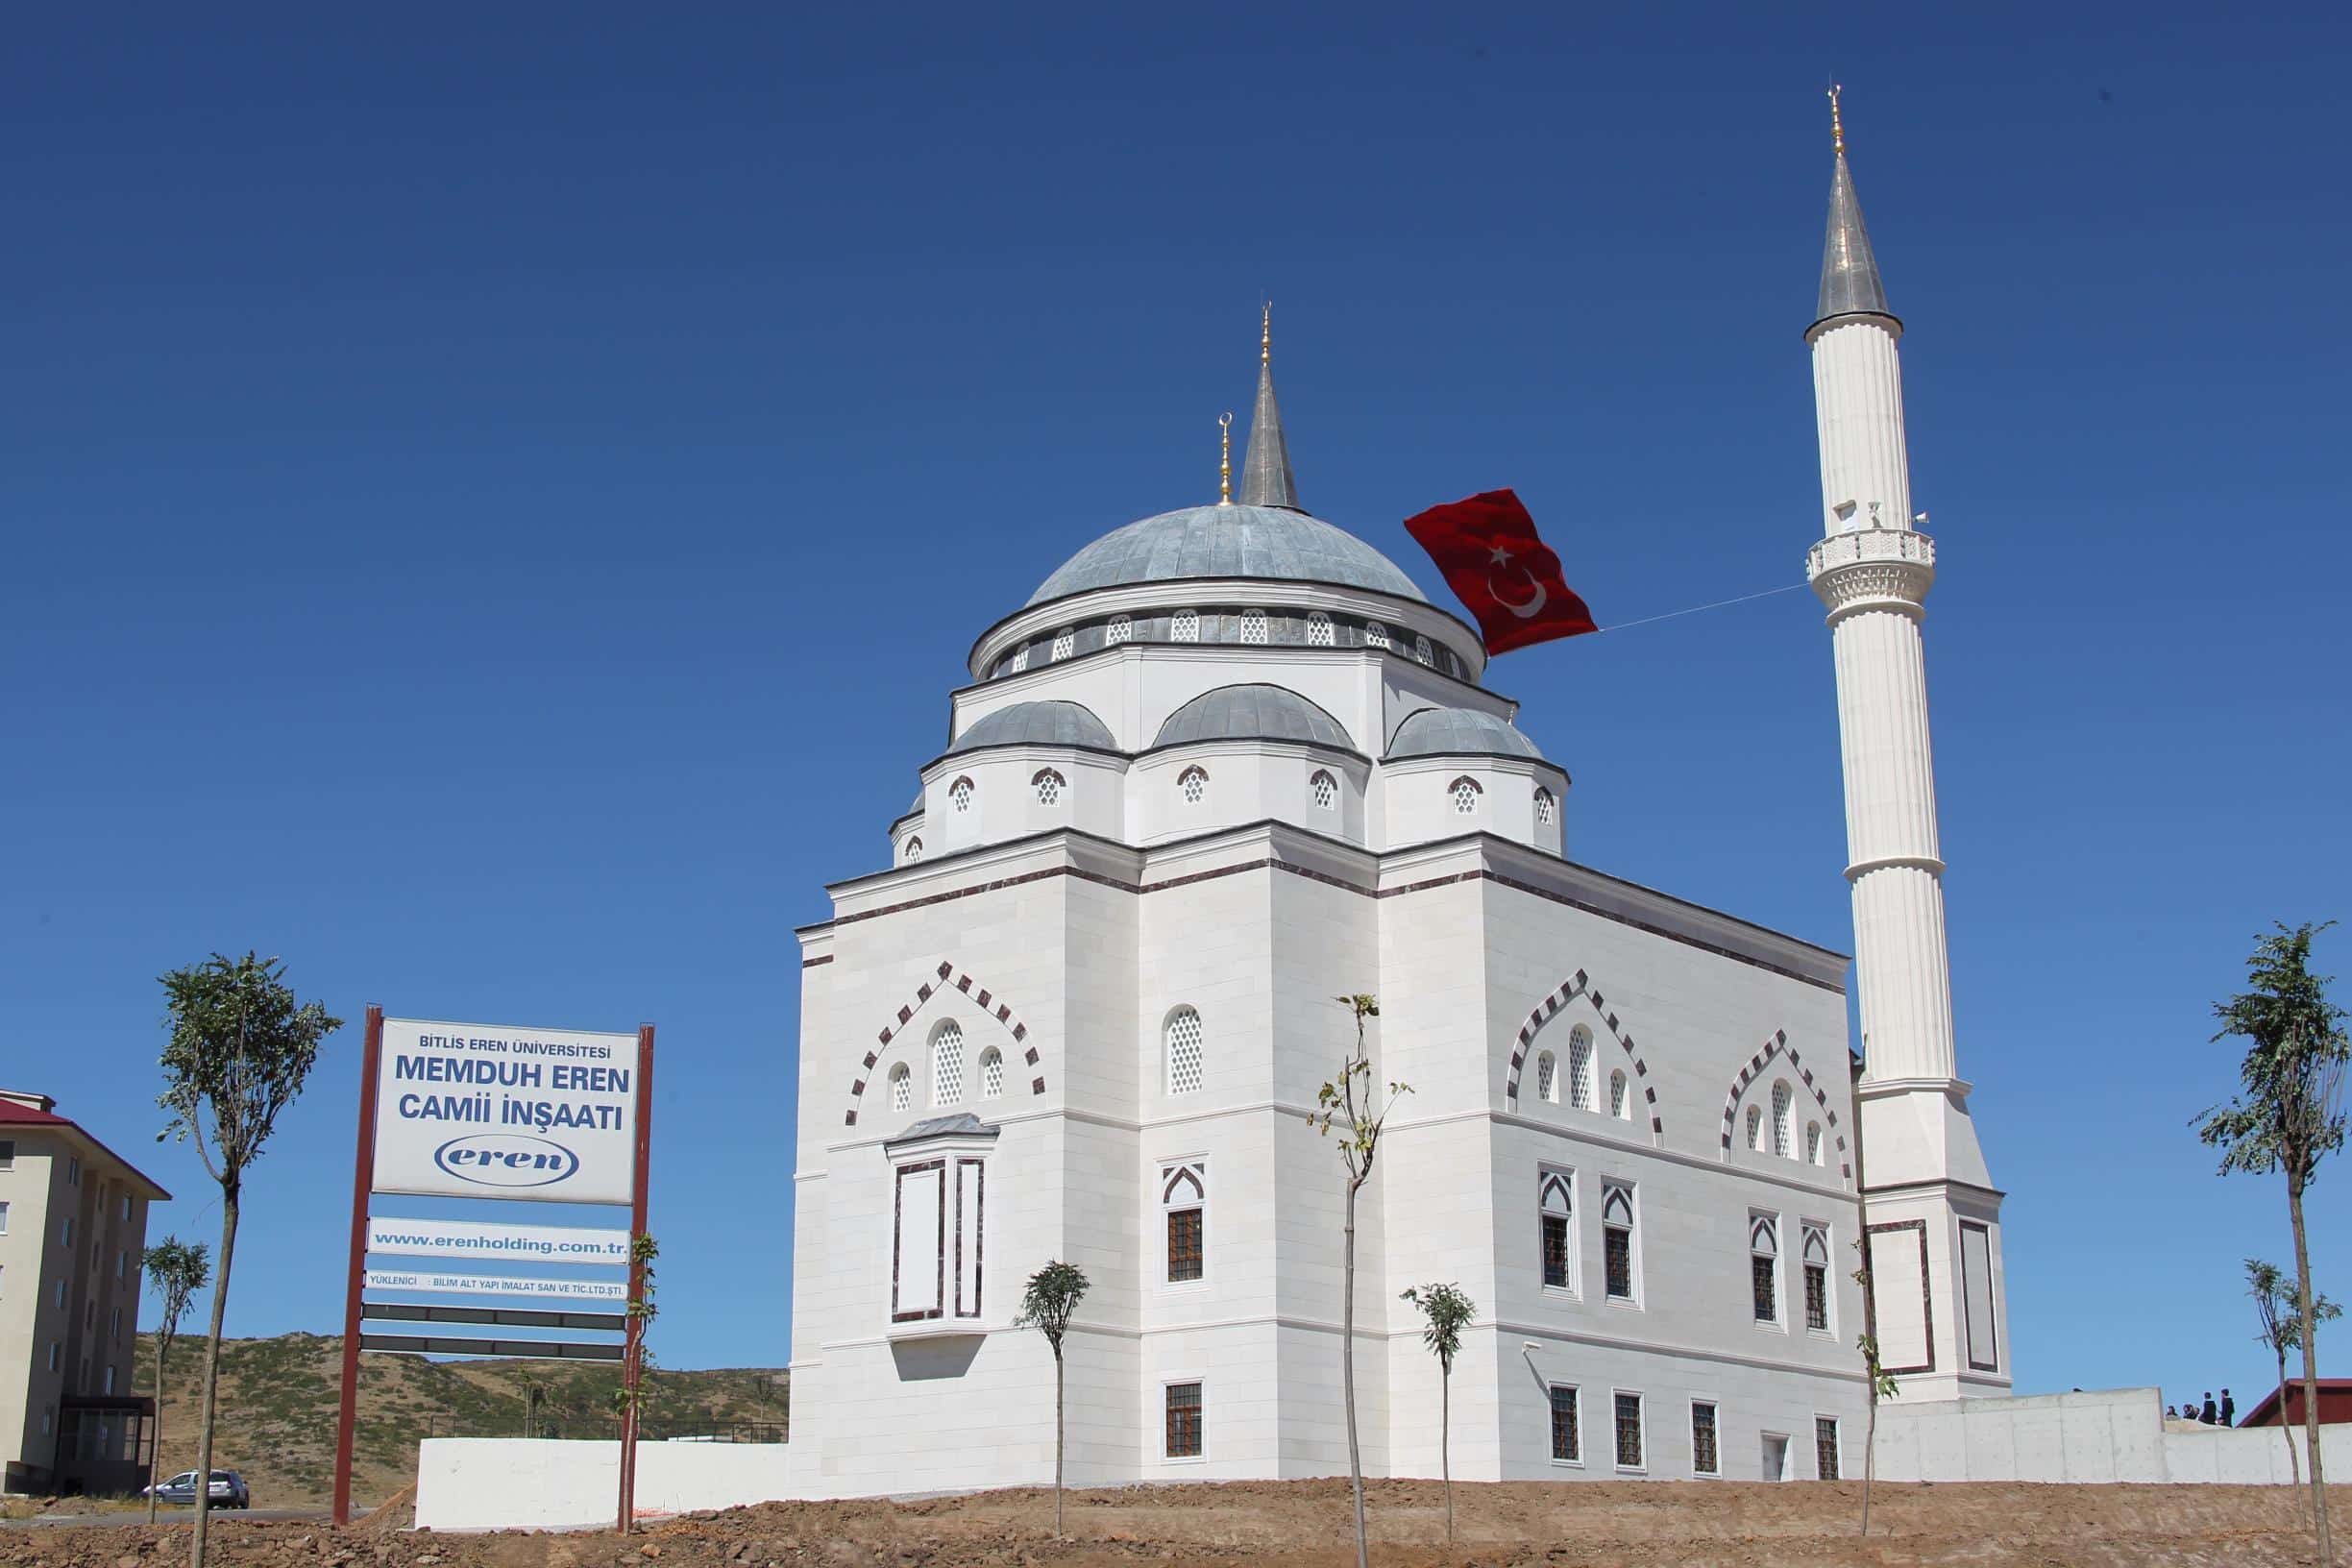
x=1764, y=1267
x=1421, y=650
x=1620, y=1102
x=1555, y=1220
x=1184, y=1204
x=1323, y=789
x=1184, y=1438
x=1617, y=1239
x=947, y=1064
x=1184, y=626
x=1254, y=627
x=1065, y=644
x=1547, y=1077
x=991, y=1074
x=1194, y=785
x=1783, y=1098
x=1546, y=806
x=3, y=1219
x=1567, y=1447
x=938, y=1218
x=73, y=1170
x=1049, y=786
x=913, y=850
x=1375, y=635
x=1755, y=1125
x=1465, y=790
x=1319, y=630
x=1826, y=1447
x=1121, y=629
x=1815, y=1249
x=1813, y=1144
x=7, y=1154
x=1706, y=1457
x=901, y=1088
x=1629, y=1431
x=1580, y=1068
x=1021, y=658
x=959, y=795
x=1182, y=1045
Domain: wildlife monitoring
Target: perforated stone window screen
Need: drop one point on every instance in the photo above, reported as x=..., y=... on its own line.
x=1194, y=784
x=1021, y=658
x=1254, y=627
x=902, y=1088
x=947, y=1065
x=1465, y=797
x=1121, y=629
x=1813, y=1144
x=1319, y=630
x=1547, y=1077
x=1184, y=1051
x=1049, y=786
x=1546, y=807
x=1421, y=648
x=914, y=850
x=1756, y=1126
x=1781, y=1099
x=960, y=794
x=1375, y=635
x=1065, y=644
x=1580, y=1069
x=1323, y=789
x=991, y=1074
x=1617, y=1097
x=1184, y=626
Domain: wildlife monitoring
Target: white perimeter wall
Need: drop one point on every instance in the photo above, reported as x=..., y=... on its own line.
x=528, y=1484
x=2114, y=1434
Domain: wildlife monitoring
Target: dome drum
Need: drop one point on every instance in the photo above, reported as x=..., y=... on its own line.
x=1219, y=625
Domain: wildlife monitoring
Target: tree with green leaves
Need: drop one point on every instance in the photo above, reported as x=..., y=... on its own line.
x=2287, y=1118
x=1445, y=1311
x=634, y=1395
x=238, y=1052
x=176, y=1270
x=2276, y=1298
x=1049, y=1298
x=1348, y=1103
x=1879, y=1382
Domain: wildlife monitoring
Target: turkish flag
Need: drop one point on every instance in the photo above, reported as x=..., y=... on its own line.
x=1503, y=574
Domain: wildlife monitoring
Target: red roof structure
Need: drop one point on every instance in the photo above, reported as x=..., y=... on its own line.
x=17, y=1114
x=2334, y=1403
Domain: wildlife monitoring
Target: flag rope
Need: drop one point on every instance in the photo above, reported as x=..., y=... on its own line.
x=1742, y=598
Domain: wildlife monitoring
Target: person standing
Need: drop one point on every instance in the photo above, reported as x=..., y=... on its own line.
x=2229, y=1410
x=2206, y=1416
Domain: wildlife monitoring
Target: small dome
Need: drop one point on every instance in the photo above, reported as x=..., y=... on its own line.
x=1037, y=724
x=1253, y=713
x=1228, y=542
x=1460, y=732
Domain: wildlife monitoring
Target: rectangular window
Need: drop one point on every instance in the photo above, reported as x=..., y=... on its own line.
x=1184, y=1198
x=65, y=1233
x=1629, y=1431
x=1817, y=1296
x=110, y=1380
x=1565, y=1445
x=3, y=1219
x=1184, y=1420
x=73, y=1170
x=1617, y=1242
x=7, y=1154
x=126, y=1209
x=61, y=1296
x=57, y=1356
x=114, y=1328
x=970, y=1178
x=122, y=1262
x=918, y=1253
x=1825, y=1446
x=1976, y=1294
x=1705, y=1460
x=1184, y=1242
x=1762, y=1275
x=1555, y=1251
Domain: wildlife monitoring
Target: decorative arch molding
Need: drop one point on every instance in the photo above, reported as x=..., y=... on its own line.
x=1580, y=985
x=1778, y=1047
x=993, y=1005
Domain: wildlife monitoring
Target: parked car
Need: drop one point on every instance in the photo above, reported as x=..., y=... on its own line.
x=228, y=1490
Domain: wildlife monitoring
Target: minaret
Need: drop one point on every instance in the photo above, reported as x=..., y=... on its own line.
x=1934, y=1215
x=1266, y=472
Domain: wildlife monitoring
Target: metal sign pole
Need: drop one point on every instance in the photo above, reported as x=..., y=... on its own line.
x=363, y=1176
x=633, y=1353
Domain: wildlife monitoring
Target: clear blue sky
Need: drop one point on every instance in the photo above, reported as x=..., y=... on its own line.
x=496, y=500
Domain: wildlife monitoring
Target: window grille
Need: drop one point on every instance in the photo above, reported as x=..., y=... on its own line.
x=1617, y=1239
x=914, y=850
x=1764, y=1267
x=1184, y=1051
x=1254, y=627
x=1580, y=1069
x=1065, y=644
x=1557, y=1210
x=902, y=1088
x=1545, y=807
x=1319, y=630
x=1618, y=1104
x=1375, y=635
x=1704, y=1459
x=1825, y=1446
x=947, y=1065
x=1813, y=1144
x=1629, y=1431
x=1184, y=1420
x=1564, y=1444
x=1755, y=1125
x=959, y=793
x=991, y=1074
x=1021, y=658
x=1323, y=789
x=1817, y=1278
x=1049, y=786
x=1185, y=627
x=1781, y=1099
x=1194, y=783
x=1465, y=796
x=1184, y=1239
x=1421, y=650
x=1547, y=1077
x=1120, y=630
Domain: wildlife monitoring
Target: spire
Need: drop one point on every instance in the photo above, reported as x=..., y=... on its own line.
x=1850, y=274
x=1266, y=472
x=1225, y=459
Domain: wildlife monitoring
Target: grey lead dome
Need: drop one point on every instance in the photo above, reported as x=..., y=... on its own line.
x=1460, y=732
x=1253, y=713
x=1228, y=542
x=1038, y=724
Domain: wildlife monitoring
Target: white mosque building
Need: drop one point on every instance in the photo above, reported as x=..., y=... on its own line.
x=1228, y=764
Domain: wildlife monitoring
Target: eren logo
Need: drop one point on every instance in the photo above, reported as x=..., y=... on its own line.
x=505, y=1160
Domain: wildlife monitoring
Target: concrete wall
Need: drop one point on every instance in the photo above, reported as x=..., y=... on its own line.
x=524, y=1483
x=2113, y=1435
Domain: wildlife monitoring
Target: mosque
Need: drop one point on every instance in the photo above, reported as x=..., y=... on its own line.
x=1227, y=764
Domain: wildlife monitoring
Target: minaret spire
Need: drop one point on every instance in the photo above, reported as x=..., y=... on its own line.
x=1266, y=472
x=1849, y=283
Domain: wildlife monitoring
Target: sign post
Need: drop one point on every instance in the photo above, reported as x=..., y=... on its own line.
x=363, y=1171
x=633, y=1362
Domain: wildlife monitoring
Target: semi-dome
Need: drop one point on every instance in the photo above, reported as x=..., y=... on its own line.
x=1228, y=541
x=1038, y=724
x=1253, y=713
x=1460, y=732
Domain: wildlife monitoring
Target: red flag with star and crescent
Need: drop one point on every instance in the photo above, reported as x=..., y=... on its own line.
x=1504, y=574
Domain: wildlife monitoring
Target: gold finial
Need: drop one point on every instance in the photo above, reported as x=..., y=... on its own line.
x=1266, y=335
x=1837, y=123
x=1225, y=459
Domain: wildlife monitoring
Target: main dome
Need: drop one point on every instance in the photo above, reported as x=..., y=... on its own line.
x=1229, y=541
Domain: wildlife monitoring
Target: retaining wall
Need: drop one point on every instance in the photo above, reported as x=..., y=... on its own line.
x=2115, y=1434
x=528, y=1484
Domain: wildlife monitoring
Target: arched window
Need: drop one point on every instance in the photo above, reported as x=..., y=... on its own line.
x=991, y=1074
x=947, y=1064
x=1815, y=1256
x=1580, y=1068
x=1120, y=630
x=913, y=850
x=1555, y=1212
x=1323, y=789
x=1065, y=644
x=1452, y=665
x=1184, y=626
x=959, y=795
x=1755, y=1125
x=1319, y=630
x=1547, y=1077
x=1375, y=635
x=902, y=1088
x=1421, y=650
x=1194, y=784
x=1783, y=1145
x=1184, y=1051
x=1049, y=786
x=1465, y=790
x=1813, y=1144
x=1764, y=1267
x=1254, y=627
x=1546, y=807
x=1021, y=658
x=1619, y=1107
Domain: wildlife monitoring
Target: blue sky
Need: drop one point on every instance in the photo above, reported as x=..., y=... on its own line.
x=496, y=501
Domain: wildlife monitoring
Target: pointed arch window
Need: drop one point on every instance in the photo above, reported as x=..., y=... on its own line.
x=1783, y=1098
x=1620, y=1102
x=948, y=1062
x=1254, y=627
x=1194, y=785
x=1375, y=635
x=1813, y=1144
x=1617, y=1239
x=1580, y=1068
x=1465, y=792
x=1547, y=807
x=1756, y=1126
x=1065, y=644
x=913, y=850
x=1764, y=1267
x=1050, y=787
x=991, y=1074
x=1183, y=1197
x=1421, y=650
x=1183, y=1046
x=1555, y=1212
x=1319, y=630
x=1184, y=626
x=1121, y=629
x=1547, y=1077
x=1816, y=1259
x=959, y=795
x=1323, y=789
x=1021, y=658
x=902, y=1088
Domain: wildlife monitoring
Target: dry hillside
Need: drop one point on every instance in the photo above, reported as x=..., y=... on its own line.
x=278, y=1396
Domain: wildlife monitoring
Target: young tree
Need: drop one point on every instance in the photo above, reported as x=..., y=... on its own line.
x=2275, y=1299
x=176, y=1270
x=2288, y=1117
x=1445, y=1311
x=240, y=1048
x=631, y=1399
x=1047, y=1300
x=1347, y=1103
x=1879, y=1382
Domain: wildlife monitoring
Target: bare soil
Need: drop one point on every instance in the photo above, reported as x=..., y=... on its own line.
x=1305, y=1525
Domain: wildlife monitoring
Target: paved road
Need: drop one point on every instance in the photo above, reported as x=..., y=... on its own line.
x=167, y=1516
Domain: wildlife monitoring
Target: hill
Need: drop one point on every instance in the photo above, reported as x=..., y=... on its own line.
x=278, y=1401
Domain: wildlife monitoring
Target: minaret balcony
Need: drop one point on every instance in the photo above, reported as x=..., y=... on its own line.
x=1872, y=569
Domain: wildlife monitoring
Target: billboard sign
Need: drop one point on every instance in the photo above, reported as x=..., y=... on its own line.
x=485, y=1110
x=459, y=1240
x=432, y=1282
